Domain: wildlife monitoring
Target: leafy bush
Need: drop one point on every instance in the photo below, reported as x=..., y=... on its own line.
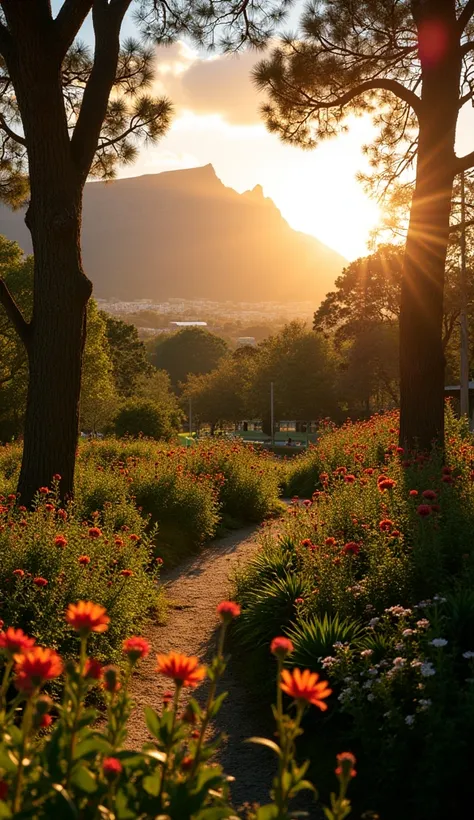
x=142, y=417
x=379, y=533
x=81, y=771
x=50, y=558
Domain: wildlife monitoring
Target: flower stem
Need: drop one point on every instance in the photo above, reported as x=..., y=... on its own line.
x=25, y=731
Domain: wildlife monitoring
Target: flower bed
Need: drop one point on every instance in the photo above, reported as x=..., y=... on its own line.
x=371, y=577
x=78, y=771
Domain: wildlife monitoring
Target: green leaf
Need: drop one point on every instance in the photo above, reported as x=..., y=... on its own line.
x=68, y=809
x=7, y=761
x=152, y=721
x=268, y=812
x=4, y=810
x=84, y=780
x=92, y=746
x=151, y=784
x=155, y=754
x=217, y=705
x=303, y=785
x=265, y=741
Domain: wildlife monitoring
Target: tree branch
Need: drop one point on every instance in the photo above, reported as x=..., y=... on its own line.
x=107, y=19
x=387, y=84
x=466, y=14
x=464, y=163
x=69, y=20
x=14, y=313
x=8, y=131
x=6, y=41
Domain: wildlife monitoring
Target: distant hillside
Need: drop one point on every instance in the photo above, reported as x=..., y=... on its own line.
x=184, y=234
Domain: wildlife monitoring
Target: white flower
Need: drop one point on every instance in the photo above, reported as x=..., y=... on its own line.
x=372, y=671
x=468, y=655
x=439, y=599
x=409, y=720
x=367, y=685
x=407, y=632
x=427, y=669
x=326, y=663
x=399, y=662
x=399, y=646
x=373, y=622
x=425, y=703
x=423, y=623
x=371, y=697
x=438, y=642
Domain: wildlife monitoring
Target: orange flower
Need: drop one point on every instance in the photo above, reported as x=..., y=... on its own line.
x=94, y=532
x=35, y=667
x=87, y=617
x=182, y=669
x=84, y=559
x=60, y=541
x=14, y=641
x=305, y=686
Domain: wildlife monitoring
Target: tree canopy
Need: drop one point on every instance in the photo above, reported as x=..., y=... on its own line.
x=192, y=350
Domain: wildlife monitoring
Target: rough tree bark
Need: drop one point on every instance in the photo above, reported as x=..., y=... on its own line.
x=56, y=335
x=58, y=169
x=422, y=360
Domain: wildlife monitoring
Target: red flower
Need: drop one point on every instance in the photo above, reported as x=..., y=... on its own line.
x=20, y=573
x=62, y=514
x=306, y=542
x=447, y=470
x=87, y=617
x=60, y=541
x=346, y=765
x=45, y=721
x=40, y=582
x=281, y=647
x=305, y=686
x=14, y=641
x=429, y=495
x=111, y=767
x=385, y=525
x=349, y=479
x=136, y=648
x=424, y=510
x=84, y=559
x=93, y=669
x=134, y=537
x=44, y=490
x=228, y=610
x=447, y=479
x=330, y=542
x=351, y=548
x=49, y=507
x=185, y=671
x=118, y=542
x=386, y=484
x=413, y=493
x=35, y=667
x=56, y=477
x=94, y=532
x=159, y=561
x=126, y=573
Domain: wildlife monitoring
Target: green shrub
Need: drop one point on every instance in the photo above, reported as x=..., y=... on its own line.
x=142, y=417
x=50, y=559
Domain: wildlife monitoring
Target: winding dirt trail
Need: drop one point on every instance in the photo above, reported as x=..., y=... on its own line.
x=194, y=589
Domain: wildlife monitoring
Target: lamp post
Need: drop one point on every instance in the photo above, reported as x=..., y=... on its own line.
x=272, y=413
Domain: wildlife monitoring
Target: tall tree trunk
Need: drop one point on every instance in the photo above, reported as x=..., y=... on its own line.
x=56, y=336
x=421, y=309
x=55, y=353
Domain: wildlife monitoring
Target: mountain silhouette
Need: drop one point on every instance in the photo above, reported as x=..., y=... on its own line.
x=185, y=234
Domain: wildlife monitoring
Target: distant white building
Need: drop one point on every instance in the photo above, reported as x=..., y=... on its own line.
x=246, y=341
x=188, y=324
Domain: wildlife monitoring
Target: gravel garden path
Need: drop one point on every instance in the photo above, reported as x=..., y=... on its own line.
x=194, y=589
